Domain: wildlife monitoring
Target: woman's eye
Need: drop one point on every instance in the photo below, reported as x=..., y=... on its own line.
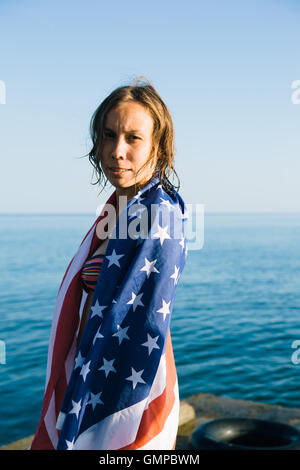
x=107, y=134
x=110, y=135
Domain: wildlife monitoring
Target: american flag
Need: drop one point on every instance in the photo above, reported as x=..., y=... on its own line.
x=119, y=390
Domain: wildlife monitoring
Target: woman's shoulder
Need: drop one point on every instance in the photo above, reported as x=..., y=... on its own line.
x=166, y=195
x=166, y=210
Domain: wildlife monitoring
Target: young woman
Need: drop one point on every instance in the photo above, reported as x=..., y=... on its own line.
x=111, y=377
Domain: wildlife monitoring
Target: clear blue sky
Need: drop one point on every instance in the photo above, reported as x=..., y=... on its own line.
x=224, y=68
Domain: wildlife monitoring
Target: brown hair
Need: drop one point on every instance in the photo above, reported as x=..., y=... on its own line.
x=163, y=130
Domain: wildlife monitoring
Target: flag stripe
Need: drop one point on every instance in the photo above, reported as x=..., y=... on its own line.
x=162, y=440
x=114, y=431
x=43, y=442
x=69, y=363
x=154, y=417
x=50, y=422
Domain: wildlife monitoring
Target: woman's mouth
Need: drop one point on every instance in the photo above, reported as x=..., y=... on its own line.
x=118, y=171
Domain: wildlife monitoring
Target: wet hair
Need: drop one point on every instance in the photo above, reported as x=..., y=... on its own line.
x=143, y=92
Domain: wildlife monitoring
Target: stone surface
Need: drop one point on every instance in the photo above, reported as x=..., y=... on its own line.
x=223, y=407
x=21, y=444
x=186, y=413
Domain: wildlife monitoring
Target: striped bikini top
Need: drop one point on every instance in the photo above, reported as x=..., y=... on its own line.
x=90, y=272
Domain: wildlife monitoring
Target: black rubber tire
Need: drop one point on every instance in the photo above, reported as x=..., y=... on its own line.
x=245, y=434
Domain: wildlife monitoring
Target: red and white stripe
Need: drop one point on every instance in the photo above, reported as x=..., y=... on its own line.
x=149, y=424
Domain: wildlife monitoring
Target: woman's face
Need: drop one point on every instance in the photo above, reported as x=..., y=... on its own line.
x=127, y=143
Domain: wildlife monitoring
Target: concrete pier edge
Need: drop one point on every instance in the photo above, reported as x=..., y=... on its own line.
x=202, y=407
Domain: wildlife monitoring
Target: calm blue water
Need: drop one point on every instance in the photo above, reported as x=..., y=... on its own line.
x=236, y=313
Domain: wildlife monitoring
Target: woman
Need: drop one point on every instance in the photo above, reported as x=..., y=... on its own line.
x=111, y=377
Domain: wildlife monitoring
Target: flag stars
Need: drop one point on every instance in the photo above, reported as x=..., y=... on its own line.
x=165, y=308
x=85, y=370
x=149, y=267
x=79, y=361
x=121, y=334
x=95, y=400
x=97, y=310
x=135, y=301
x=162, y=234
x=70, y=444
x=175, y=275
x=76, y=408
x=165, y=202
x=136, y=377
x=151, y=343
x=114, y=259
x=107, y=366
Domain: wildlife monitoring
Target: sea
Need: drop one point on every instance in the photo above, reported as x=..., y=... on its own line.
x=235, y=325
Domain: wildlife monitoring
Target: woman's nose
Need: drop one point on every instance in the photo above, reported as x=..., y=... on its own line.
x=119, y=148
